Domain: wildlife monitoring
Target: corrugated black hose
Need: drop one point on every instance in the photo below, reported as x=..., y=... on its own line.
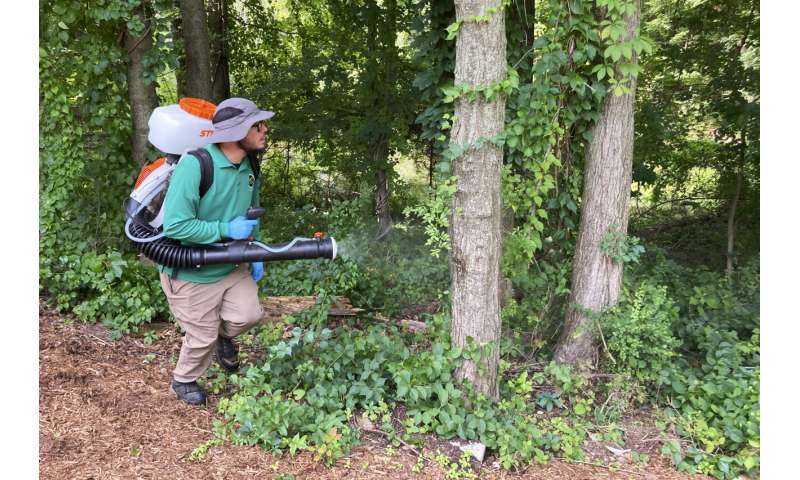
x=170, y=253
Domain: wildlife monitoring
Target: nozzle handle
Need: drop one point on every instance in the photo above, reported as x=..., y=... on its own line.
x=254, y=212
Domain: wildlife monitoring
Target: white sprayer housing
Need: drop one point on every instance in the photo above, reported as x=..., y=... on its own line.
x=174, y=130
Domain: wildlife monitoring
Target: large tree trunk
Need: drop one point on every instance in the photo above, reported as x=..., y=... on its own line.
x=596, y=278
x=141, y=92
x=477, y=209
x=198, y=56
x=217, y=26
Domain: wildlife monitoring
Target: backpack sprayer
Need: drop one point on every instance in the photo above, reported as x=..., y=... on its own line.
x=175, y=130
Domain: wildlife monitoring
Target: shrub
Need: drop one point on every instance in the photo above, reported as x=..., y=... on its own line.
x=117, y=290
x=639, y=331
x=307, y=390
x=711, y=390
x=716, y=405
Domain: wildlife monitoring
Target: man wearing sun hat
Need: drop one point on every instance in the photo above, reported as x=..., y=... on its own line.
x=215, y=303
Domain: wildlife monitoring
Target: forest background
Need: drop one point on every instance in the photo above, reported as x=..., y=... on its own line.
x=331, y=185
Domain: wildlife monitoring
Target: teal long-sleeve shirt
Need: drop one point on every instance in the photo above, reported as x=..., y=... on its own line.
x=196, y=221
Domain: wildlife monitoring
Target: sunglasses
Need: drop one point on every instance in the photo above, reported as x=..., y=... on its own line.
x=259, y=125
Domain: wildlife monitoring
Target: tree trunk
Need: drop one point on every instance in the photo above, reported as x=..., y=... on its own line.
x=141, y=92
x=382, y=210
x=477, y=208
x=379, y=80
x=195, y=40
x=596, y=278
x=431, y=164
x=729, y=256
x=217, y=26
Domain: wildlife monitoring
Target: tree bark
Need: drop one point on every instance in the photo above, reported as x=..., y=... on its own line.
x=198, y=56
x=141, y=92
x=382, y=32
x=729, y=255
x=217, y=26
x=382, y=210
x=596, y=278
x=477, y=207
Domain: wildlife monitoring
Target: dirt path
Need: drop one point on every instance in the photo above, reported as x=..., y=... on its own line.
x=105, y=413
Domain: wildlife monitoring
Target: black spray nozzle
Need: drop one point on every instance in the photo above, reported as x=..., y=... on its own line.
x=242, y=251
x=254, y=212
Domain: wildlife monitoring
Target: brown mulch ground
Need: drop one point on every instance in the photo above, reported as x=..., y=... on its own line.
x=105, y=413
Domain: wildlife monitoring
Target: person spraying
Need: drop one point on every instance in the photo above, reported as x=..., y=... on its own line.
x=215, y=303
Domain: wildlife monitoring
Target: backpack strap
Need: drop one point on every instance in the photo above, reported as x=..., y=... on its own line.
x=206, y=179
x=206, y=169
x=255, y=164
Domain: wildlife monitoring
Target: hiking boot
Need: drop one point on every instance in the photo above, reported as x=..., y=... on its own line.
x=227, y=354
x=190, y=393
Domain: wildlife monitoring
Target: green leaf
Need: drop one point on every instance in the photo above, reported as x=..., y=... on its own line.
x=678, y=387
x=452, y=30
x=63, y=25
x=627, y=50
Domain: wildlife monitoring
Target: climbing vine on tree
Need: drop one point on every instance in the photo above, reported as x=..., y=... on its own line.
x=85, y=166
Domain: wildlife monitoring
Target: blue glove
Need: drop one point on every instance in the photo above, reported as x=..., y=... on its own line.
x=257, y=270
x=239, y=228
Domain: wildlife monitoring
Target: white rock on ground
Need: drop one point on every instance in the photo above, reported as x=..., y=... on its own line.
x=476, y=449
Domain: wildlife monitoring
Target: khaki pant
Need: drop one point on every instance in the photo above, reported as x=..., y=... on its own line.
x=206, y=310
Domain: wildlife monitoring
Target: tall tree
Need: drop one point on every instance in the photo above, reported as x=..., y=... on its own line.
x=217, y=26
x=382, y=54
x=141, y=91
x=596, y=277
x=477, y=209
x=198, y=54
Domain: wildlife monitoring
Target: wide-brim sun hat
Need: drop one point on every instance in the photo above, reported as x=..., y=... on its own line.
x=234, y=117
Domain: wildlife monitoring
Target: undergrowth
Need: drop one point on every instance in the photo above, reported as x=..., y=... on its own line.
x=305, y=393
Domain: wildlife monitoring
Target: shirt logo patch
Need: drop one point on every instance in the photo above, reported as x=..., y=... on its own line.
x=251, y=180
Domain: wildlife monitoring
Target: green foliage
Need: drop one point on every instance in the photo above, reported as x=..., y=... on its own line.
x=639, y=333
x=553, y=114
x=199, y=453
x=85, y=264
x=716, y=406
x=311, y=277
x=435, y=56
x=116, y=290
x=306, y=391
x=710, y=390
x=714, y=391
x=434, y=212
x=486, y=17
x=540, y=299
x=620, y=247
x=698, y=111
x=471, y=92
